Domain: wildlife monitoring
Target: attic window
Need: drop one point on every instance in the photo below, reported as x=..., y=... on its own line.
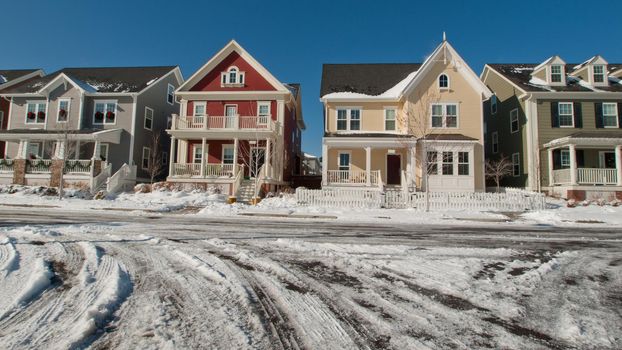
x=443, y=81
x=556, y=73
x=599, y=73
x=232, y=76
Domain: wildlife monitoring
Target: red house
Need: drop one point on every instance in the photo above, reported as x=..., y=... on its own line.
x=239, y=128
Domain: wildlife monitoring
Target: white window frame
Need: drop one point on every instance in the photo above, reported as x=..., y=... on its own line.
x=68, y=100
x=194, y=153
x=145, y=120
x=105, y=102
x=604, y=74
x=225, y=78
x=142, y=160
x=438, y=82
x=349, y=118
x=561, y=74
x=515, y=164
x=37, y=110
x=565, y=152
x=495, y=142
x=468, y=163
x=514, y=117
x=615, y=109
x=222, y=155
x=230, y=105
x=453, y=163
x=194, y=108
x=444, y=115
x=349, y=153
x=103, y=146
x=263, y=118
x=170, y=91
x=559, y=115
x=434, y=162
x=387, y=109
x=493, y=103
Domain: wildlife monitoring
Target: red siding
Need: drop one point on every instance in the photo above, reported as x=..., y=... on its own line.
x=253, y=81
x=245, y=108
x=214, y=149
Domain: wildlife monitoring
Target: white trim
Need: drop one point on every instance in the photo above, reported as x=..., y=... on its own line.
x=199, y=103
x=339, y=153
x=105, y=103
x=145, y=118
x=517, y=121
x=444, y=115
x=438, y=82
x=142, y=158
x=549, y=74
x=348, y=119
x=37, y=110
x=390, y=108
x=130, y=159
x=22, y=78
x=571, y=115
x=68, y=100
x=8, y=123
x=170, y=91
x=615, y=108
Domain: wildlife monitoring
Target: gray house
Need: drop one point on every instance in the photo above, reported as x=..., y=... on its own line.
x=95, y=119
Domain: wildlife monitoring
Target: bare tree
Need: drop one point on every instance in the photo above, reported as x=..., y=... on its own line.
x=69, y=148
x=253, y=154
x=498, y=169
x=156, y=164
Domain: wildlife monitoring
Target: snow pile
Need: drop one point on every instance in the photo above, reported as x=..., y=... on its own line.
x=35, y=231
x=393, y=92
x=40, y=278
x=571, y=216
x=8, y=256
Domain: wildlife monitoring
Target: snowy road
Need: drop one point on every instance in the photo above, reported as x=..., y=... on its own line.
x=113, y=280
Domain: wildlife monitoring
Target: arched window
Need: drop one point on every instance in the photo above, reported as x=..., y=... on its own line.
x=443, y=81
x=233, y=75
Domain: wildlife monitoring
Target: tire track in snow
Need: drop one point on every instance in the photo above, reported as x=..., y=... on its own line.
x=9, y=258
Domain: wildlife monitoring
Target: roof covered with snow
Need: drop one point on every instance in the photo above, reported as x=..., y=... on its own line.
x=520, y=74
x=7, y=75
x=364, y=80
x=103, y=80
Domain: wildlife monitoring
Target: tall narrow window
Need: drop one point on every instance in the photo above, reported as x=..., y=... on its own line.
x=233, y=75
x=197, y=154
x=35, y=112
x=566, y=115
x=389, y=119
x=263, y=112
x=599, y=73
x=451, y=118
x=103, y=151
x=514, y=124
x=148, y=118
x=170, y=94
x=432, y=160
x=63, y=110
x=495, y=142
x=610, y=115
x=437, y=116
x=493, y=104
x=355, y=119
x=463, y=163
x=556, y=73
x=564, y=158
x=448, y=163
x=146, y=158
x=344, y=161
x=342, y=119
x=516, y=164
x=227, y=155
x=443, y=81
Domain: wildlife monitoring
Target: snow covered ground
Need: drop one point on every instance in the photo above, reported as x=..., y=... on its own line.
x=137, y=272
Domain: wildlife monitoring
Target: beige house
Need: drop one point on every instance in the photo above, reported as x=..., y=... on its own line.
x=560, y=124
x=385, y=125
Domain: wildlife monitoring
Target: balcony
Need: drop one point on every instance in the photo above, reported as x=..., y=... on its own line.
x=586, y=176
x=353, y=177
x=223, y=123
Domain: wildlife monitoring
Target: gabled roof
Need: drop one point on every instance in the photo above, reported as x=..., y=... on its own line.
x=98, y=80
x=550, y=60
x=591, y=60
x=232, y=46
x=368, y=78
x=519, y=74
x=10, y=77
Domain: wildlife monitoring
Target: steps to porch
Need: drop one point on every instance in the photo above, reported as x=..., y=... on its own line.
x=246, y=191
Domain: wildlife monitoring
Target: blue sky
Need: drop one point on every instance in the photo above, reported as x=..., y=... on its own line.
x=293, y=38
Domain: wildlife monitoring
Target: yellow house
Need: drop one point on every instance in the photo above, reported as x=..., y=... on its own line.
x=386, y=125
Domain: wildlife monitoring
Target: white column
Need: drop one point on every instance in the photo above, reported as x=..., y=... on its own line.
x=202, y=157
x=413, y=166
x=368, y=165
x=96, y=150
x=573, y=164
x=619, y=165
x=20, y=149
x=324, y=165
x=235, y=155
x=172, y=156
x=25, y=149
x=268, y=164
x=550, y=155
x=60, y=149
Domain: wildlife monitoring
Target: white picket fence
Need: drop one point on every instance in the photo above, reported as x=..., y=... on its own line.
x=513, y=200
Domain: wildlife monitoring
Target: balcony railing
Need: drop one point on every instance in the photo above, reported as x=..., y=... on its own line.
x=210, y=170
x=586, y=176
x=352, y=177
x=214, y=122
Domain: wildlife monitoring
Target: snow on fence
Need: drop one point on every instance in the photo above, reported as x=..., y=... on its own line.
x=361, y=198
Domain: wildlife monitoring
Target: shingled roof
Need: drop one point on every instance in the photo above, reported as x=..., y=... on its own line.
x=369, y=78
x=7, y=75
x=104, y=80
x=520, y=74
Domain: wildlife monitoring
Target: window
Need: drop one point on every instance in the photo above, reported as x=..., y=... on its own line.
x=105, y=112
x=566, y=114
x=610, y=115
x=448, y=163
x=34, y=150
x=514, y=120
x=348, y=119
x=495, y=142
x=444, y=115
x=63, y=110
x=146, y=158
x=389, y=119
x=556, y=73
x=35, y=112
x=493, y=104
x=227, y=154
x=432, y=160
x=170, y=94
x=232, y=76
x=263, y=112
x=103, y=151
x=1, y=119
x=565, y=158
x=148, y=118
x=599, y=73
x=443, y=82
x=199, y=108
x=197, y=154
x=164, y=158
x=463, y=163
x=516, y=164
x=344, y=161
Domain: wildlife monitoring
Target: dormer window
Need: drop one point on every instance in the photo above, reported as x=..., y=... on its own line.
x=556, y=73
x=232, y=76
x=599, y=74
x=443, y=82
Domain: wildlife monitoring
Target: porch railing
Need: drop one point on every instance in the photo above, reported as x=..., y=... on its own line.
x=586, y=176
x=218, y=170
x=186, y=169
x=210, y=170
x=38, y=166
x=352, y=177
x=196, y=122
x=223, y=122
x=6, y=165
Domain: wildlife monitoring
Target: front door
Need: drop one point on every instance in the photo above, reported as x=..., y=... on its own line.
x=394, y=166
x=608, y=160
x=258, y=156
x=230, y=112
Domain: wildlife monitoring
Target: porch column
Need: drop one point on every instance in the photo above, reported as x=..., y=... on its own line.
x=172, y=155
x=573, y=164
x=77, y=154
x=550, y=156
x=368, y=165
x=22, y=150
x=324, y=164
x=413, y=166
x=202, y=157
x=96, y=154
x=619, y=165
x=268, y=165
x=235, y=156
x=60, y=149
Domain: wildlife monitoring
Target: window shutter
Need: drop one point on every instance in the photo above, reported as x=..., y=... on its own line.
x=580, y=158
x=598, y=108
x=554, y=115
x=557, y=159
x=578, y=115
x=620, y=115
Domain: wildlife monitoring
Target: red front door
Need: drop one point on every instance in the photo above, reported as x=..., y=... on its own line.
x=393, y=169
